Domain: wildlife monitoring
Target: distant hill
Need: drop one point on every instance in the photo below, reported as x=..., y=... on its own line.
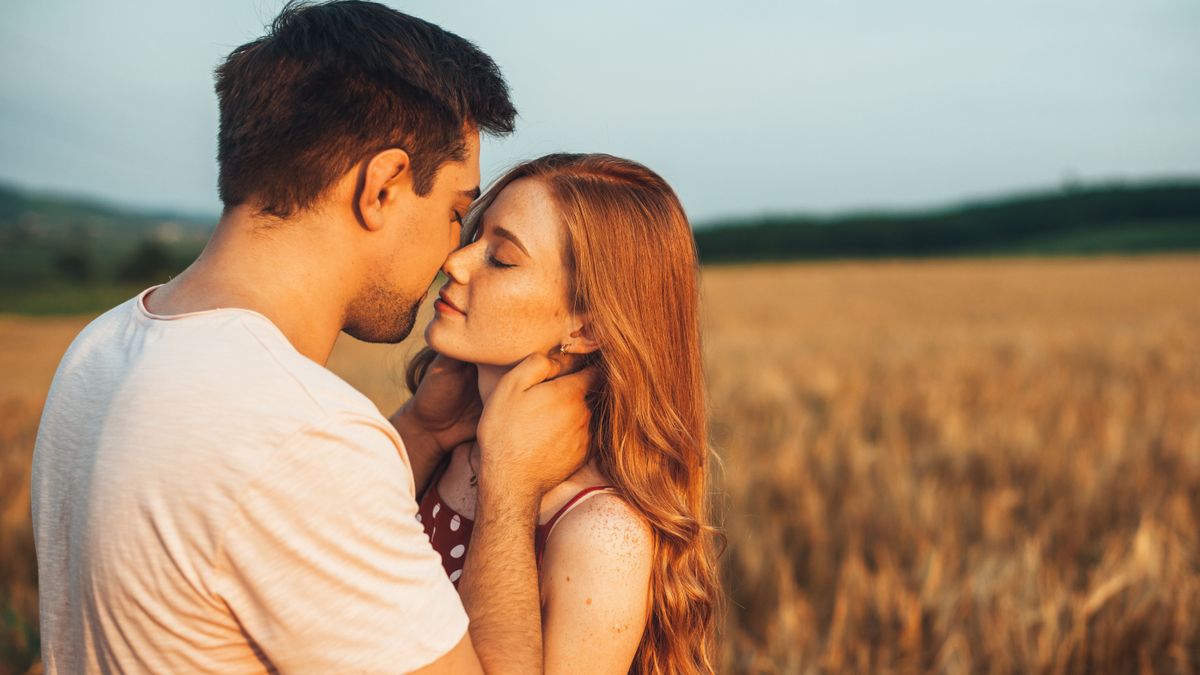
x=50, y=238
x=52, y=215
x=61, y=241
x=1101, y=219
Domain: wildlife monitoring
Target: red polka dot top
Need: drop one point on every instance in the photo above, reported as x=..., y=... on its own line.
x=450, y=532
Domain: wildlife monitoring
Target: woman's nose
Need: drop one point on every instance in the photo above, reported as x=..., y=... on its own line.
x=456, y=265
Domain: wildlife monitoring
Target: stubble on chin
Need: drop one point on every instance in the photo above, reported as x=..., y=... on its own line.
x=381, y=318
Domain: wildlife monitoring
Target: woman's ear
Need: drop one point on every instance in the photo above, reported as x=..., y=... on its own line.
x=386, y=182
x=581, y=340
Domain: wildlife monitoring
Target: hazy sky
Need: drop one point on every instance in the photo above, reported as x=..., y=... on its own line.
x=746, y=108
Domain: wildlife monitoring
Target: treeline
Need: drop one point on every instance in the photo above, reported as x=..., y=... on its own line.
x=1117, y=218
x=62, y=241
x=48, y=240
x=152, y=259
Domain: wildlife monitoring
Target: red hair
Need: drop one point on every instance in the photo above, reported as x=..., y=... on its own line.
x=634, y=271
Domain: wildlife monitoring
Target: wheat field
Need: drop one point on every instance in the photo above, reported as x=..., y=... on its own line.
x=957, y=466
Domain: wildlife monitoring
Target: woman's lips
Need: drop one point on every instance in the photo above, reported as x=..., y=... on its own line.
x=443, y=304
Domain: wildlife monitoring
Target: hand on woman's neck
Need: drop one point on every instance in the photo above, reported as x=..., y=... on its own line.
x=489, y=376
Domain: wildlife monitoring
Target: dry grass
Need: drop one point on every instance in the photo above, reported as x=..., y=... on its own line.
x=29, y=352
x=987, y=467
x=954, y=466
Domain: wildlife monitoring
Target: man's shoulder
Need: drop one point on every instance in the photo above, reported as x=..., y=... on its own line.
x=281, y=399
x=301, y=404
x=242, y=358
x=225, y=384
x=292, y=374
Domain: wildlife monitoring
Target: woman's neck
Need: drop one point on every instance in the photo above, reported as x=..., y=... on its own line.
x=487, y=377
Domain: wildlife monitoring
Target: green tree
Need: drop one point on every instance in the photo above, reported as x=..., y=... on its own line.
x=150, y=261
x=75, y=262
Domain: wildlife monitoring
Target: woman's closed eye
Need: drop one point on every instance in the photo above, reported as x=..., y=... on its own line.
x=494, y=261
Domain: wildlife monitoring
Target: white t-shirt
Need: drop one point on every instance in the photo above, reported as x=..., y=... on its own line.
x=207, y=499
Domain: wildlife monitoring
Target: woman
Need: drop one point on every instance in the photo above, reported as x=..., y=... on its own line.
x=591, y=257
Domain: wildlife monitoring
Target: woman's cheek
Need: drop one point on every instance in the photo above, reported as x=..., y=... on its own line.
x=525, y=329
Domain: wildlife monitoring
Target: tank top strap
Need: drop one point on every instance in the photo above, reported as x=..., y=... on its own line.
x=580, y=497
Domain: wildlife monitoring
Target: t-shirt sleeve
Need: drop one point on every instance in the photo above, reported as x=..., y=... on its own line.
x=325, y=565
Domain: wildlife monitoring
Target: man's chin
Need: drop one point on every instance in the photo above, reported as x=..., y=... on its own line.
x=376, y=337
x=376, y=331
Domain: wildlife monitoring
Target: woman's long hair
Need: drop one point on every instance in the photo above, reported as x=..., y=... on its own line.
x=633, y=265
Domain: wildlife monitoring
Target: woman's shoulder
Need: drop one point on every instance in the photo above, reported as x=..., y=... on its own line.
x=588, y=504
x=604, y=529
x=595, y=585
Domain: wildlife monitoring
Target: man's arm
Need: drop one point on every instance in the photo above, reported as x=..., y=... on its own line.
x=499, y=586
x=532, y=434
x=424, y=453
x=442, y=413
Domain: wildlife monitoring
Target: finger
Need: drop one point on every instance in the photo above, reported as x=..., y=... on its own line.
x=563, y=363
x=591, y=377
x=579, y=382
x=533, y=369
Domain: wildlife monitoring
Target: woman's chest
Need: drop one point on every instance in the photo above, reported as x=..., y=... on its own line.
x=455, y=484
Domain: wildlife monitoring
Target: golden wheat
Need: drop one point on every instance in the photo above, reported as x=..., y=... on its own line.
x=983, y=466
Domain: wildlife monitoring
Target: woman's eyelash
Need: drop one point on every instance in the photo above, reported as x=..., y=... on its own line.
x=458, y=217
x=494, y=262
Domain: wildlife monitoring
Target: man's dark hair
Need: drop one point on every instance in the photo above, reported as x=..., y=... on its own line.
x=331, y=84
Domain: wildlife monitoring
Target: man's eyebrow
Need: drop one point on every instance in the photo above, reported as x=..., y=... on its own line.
x=501, y=232
x=471, y=194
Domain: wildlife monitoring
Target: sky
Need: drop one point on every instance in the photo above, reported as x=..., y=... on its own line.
x=747, y=108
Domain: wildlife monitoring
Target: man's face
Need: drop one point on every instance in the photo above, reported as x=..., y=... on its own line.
x=411, y=252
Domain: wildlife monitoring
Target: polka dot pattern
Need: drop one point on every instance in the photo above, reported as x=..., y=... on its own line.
x=449, y=532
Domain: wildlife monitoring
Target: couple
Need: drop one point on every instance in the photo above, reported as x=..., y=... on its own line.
x=207, y=497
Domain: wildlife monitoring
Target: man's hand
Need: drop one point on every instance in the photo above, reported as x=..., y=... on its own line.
x=533, y=433
x=443, y=413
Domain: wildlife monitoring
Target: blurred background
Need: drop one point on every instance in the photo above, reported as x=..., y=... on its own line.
x=951, y=268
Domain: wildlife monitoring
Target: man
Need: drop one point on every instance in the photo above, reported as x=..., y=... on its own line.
x=206, y=495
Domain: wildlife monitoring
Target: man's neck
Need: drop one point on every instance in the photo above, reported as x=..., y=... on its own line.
x=274, y=273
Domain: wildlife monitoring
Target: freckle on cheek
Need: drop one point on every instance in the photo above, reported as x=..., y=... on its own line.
x=589, y=601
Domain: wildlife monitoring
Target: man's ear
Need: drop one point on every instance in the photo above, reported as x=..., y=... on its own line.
x=386, y=181
x=581, y=340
